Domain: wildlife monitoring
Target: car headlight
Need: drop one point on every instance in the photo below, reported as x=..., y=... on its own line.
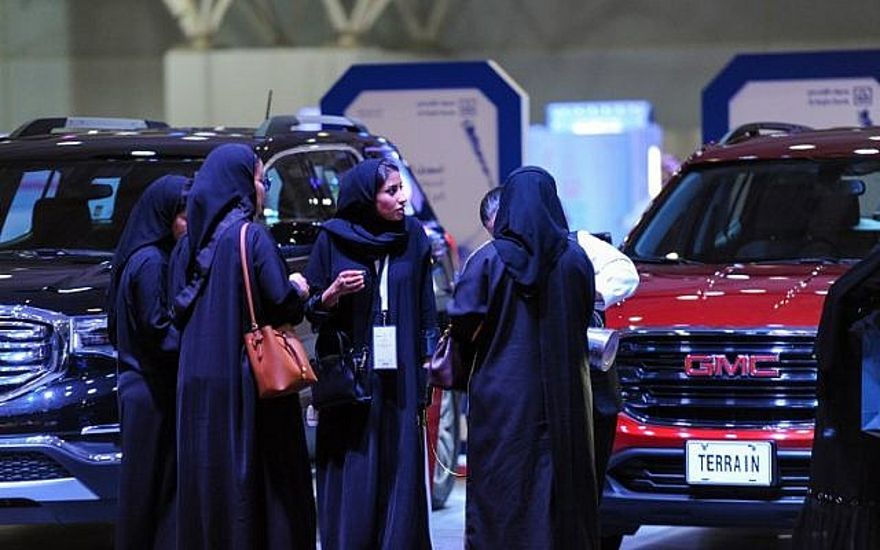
x=602, y=347
x=88, y=334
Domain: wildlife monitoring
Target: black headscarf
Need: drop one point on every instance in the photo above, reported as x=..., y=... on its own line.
x=357, y=222
x=149, y=223
x=530, y=228
x=223, y=193
x=224, y=183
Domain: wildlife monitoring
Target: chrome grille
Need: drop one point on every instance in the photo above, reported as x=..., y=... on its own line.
x=29, y=352
x=655, y=387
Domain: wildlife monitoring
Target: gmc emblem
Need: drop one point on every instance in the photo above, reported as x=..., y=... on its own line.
x=718, y=365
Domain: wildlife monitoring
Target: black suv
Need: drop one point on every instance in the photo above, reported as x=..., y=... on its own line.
x=66, y=189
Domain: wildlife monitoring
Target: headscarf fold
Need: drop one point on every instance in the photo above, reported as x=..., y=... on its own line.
x=149, y=223
x=223, y=193
x=530, y=228
x=357, y=223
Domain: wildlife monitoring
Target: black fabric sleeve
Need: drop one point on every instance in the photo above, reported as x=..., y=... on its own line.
x=319, y=274
x=470, y=301
x=429, y=333
x=278, y=298
x=152, y=314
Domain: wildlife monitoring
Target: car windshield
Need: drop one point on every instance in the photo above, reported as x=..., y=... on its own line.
x=74, y=205
x=781, y=211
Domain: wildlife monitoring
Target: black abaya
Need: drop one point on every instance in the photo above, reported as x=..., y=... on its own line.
x=147, y=346
x=244, y=478
x=842, y=510
x=371, y=469
x=140, y=328
x=531, y=481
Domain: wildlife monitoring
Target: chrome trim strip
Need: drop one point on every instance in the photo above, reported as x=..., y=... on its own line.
x=100, y=429
x=65, y=489
x=58, y=444
x=708, y=331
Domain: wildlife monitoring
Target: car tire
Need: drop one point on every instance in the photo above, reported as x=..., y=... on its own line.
x=446, y=450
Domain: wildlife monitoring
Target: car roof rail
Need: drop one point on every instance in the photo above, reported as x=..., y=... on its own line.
x=53, y=125
x=283, y=124
x=756, y=129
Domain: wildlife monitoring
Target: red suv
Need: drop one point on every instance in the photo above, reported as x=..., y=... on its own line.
x=716, y=360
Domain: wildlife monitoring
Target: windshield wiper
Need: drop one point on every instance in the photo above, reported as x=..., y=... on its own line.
x=665, y=260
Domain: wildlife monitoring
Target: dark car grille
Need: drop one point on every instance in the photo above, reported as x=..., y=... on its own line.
x=29, y=466
x=27, y=353
x=656, y=388
x=665, y=474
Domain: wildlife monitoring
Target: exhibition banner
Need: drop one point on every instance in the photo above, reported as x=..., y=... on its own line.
x=816, y=89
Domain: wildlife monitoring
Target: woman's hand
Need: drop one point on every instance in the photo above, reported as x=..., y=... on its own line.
x=347, y=282
x=301, y=284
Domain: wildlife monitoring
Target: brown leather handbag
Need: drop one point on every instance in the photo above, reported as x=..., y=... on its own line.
x=278, y=359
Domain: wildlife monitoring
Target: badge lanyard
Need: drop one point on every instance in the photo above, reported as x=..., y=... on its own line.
x=385, y=335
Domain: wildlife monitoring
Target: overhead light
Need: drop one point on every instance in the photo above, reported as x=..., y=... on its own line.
x=867, y=151
x=802, y=147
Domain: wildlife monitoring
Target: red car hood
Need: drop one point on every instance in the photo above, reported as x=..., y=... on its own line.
x=780, y=296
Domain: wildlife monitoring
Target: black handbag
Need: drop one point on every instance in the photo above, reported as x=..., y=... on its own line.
x=343, y=372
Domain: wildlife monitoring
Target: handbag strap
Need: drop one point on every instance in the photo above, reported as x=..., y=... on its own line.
x=245, y=272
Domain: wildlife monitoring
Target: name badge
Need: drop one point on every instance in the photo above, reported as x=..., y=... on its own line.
x=385, y=348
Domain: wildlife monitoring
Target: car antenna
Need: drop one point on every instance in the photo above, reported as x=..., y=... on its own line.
x=269, y=104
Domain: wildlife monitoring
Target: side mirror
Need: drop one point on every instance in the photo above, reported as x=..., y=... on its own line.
x=602, y=346
x=852, y=188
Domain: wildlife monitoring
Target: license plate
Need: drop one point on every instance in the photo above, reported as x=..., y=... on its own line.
x=729, y=463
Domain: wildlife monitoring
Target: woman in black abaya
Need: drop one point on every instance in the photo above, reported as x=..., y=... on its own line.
x=526, y=301
x=842, y=509
x=371, y=458
x=140, y=328
x=244, y=479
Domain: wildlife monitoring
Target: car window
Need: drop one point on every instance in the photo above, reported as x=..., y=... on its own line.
x=766, y=211
x=74, y=204
x=304, y=186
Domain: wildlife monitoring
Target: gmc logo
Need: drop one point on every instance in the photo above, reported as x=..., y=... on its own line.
x=719, y=365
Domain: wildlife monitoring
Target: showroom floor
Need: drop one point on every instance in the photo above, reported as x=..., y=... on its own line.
x=446, y=526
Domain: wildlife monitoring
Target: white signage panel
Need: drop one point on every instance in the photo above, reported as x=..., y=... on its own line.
x=818, y=103
x=449, y=137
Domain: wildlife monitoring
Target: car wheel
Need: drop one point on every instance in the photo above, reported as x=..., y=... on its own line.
x=446, y=455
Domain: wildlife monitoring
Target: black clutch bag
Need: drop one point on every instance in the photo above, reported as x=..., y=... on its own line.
x=343, y=372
